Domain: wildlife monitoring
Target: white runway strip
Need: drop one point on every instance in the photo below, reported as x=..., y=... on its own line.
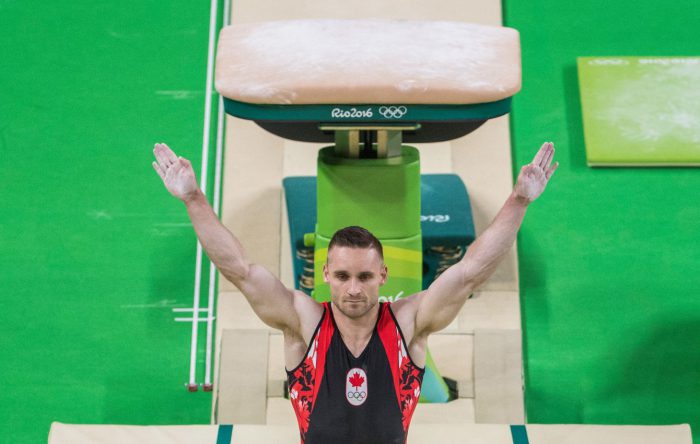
x=212, y=269
x=217, y=207
x=193, y=385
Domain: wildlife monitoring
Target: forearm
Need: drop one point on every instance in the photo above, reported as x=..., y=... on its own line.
x=491, y=246
x=269, y=298
x=221, y=246
x=446, y=295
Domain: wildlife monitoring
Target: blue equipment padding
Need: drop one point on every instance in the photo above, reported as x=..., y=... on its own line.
x=519, y=434
x=446, y=223
x=224, y=434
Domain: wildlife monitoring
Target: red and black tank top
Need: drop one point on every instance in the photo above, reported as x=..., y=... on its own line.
x=339, y=398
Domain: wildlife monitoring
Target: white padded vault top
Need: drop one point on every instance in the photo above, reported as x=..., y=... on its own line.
x=367, y=61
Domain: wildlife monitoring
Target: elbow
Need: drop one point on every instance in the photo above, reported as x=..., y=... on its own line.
x=475, y=274
x=235, y=270
x=478, y=266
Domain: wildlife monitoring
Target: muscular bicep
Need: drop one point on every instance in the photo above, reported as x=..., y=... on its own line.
x=441, y=302
x=271, y=301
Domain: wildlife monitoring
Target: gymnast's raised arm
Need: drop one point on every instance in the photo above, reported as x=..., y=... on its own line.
x=437, y=306
x=276, y=305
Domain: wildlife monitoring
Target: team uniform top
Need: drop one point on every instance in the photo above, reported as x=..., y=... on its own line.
x=340, y=398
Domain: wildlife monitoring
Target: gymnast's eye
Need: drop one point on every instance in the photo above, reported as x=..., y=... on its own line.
x=341, y=276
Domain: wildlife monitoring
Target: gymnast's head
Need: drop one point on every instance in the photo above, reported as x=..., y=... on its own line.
x=354, y=270
x=356, y=237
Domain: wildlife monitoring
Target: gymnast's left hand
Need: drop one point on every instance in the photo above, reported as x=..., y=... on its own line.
x=533, y=177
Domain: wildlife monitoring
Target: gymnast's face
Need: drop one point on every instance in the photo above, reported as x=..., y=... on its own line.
x=354, y=275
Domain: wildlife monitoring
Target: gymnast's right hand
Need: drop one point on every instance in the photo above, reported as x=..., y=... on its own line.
x=176, y=172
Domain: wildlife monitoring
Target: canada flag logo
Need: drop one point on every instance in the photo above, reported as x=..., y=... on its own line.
x=356, y=386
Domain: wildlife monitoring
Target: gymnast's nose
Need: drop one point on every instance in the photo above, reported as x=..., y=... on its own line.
x=354, y=287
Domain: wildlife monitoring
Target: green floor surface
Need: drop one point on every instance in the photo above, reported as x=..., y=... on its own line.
x=609, y=258
x=95, y=254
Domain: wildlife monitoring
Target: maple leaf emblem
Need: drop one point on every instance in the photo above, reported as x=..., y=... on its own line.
x=356, y=380
x=304, y=413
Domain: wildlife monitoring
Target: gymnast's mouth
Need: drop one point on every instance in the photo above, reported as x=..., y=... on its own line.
x=354, y=300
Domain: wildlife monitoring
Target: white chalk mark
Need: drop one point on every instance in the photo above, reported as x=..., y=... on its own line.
x=178, y=94
x=165, y=303
x=99, y=215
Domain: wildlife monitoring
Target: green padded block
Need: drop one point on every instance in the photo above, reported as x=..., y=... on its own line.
x=403, y=258
x=382, y=195
x=446, y=220
x=641, y=111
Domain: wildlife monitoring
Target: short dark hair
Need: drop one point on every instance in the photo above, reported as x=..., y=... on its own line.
x=356, y=237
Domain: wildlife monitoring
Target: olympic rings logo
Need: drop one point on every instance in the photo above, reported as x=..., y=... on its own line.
x=393, y=112
x=357, y=395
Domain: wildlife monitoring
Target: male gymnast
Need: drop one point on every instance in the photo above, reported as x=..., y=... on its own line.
x=355, y=365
